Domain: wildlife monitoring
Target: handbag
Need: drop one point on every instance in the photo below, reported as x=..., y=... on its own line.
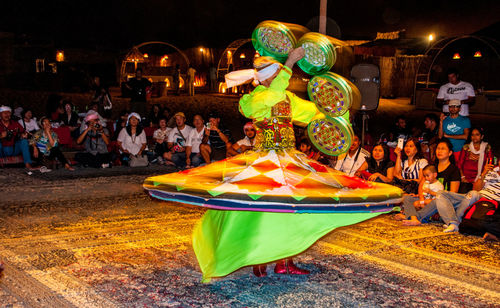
x=138, y=161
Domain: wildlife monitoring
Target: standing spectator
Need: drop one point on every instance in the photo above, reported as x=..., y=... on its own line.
x=448, y=175
x=350, y=162
x=190, y=80
x=430, y=136
x=194, y=140
x=212, y=73
x=155, y=115
x=161, y=137
x=456, y=89
x=138, y=87
x=177, y=141
x=45, y=141
x=70, y=119
x=378, y=167
x=28, y=122
x=177, y=79
x=473, y=157
x=13, y=137
x=95, y=138
x=245, y=144
x=218, y=139
x=132, y=139
x=103, y=99
x=408, y=167
x=454, y=127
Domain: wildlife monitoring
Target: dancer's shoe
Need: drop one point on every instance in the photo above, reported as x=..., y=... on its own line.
x=260, y=270
x=286, y=266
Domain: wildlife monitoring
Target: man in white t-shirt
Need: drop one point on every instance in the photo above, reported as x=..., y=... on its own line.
x=351, y=161
x=195, y=138
x=246, y=143
x=176, y=141
x=456, y=89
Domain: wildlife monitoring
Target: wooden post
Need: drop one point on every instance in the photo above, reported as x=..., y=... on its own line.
x=322, y=16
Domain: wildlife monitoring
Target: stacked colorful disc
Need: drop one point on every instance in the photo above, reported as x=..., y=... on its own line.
x=320, y=53
x=331, y=93
x=276, y=39
x=332, y=136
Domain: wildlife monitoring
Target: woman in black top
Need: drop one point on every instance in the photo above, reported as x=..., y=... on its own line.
x=448, y=175
x=378, y=167
x=70, y=119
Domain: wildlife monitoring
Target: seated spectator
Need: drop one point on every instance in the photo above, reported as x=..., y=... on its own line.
x=161, y=137
x=429, y=136
x=430, y=188
x=177, y=142
x=103, y=100
x=399, y=130
x=454, y=127
x=305, y=146
x=155, y=115
x=451, y=205
x=28, y=122
x=13, y=138
x=218, y=139
x=102, y=121
x=194, y=140
x=120, y=123
x=408, y=167
x=132, y=139
x=167, y=114
x=448, y=175
x=473, y=157
x=350, y=162
x=46, y=143
x=246, y=143
x=70, y=119
x=95, y=139
x=378, y=167
x=17, y=114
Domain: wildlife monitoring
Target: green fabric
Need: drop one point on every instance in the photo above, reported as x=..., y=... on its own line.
x=225, y=241
x=257, y=105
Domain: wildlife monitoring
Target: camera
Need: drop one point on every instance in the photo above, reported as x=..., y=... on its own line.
x=97, y=125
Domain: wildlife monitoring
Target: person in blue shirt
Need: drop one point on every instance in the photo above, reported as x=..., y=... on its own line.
x=454, y=127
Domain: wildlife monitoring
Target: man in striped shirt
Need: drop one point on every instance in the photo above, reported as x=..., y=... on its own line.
x=451, y=206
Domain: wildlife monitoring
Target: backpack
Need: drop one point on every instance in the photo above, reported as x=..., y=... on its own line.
x=480, y=217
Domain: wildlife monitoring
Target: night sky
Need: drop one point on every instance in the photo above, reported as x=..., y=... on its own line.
x=215, y=23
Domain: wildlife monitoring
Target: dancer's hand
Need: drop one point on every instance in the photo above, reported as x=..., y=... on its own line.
x=294, y=56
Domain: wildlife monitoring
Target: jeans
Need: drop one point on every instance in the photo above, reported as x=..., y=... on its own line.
x=196, y=159
x=179, y=159
x=424, y=213
x=21, y=146
x=410, y=210
x=451, y=206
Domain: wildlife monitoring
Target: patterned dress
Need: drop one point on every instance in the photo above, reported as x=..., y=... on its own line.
x=273, y=202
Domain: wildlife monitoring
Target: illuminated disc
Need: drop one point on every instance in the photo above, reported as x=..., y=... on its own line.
x=320, y=53
x=331, y=93
x=331, y=136
x=273, y=39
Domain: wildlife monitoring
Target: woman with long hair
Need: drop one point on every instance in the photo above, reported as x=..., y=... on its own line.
x=448, y=175
x=378, y=167
x=409, y=165
x=132, y=138
x=473, y=157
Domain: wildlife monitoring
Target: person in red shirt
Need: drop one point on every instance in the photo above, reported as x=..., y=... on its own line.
x=13, y=137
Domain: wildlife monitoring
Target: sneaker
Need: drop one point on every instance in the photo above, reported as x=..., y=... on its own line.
x=44, y=169
x=105, y=166
x=451, y=228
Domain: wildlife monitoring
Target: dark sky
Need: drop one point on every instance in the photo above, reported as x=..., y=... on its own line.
x=215, y=23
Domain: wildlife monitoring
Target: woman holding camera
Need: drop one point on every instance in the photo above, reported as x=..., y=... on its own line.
x=95, y=139
x=46, y=143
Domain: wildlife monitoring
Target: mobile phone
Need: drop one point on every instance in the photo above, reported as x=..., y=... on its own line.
x=401, y=142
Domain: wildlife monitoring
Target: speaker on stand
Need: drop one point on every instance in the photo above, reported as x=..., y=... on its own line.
x=367, y=78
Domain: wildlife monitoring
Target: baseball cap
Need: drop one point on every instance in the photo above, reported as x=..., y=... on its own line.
x=454, y=102
x=181, y=114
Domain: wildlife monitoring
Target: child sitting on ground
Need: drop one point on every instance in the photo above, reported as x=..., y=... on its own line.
x=430, y=187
